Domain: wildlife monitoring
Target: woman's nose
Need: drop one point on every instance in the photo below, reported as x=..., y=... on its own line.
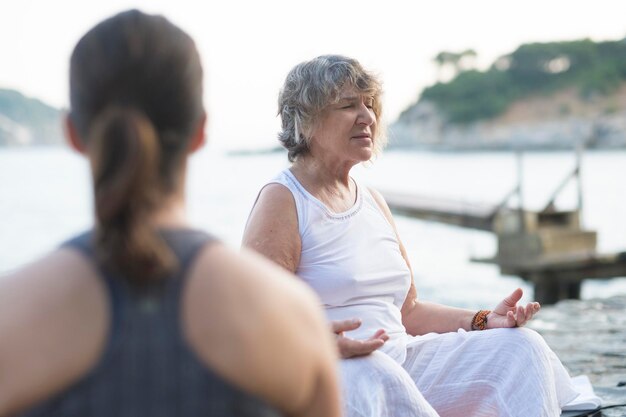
x=366, y=115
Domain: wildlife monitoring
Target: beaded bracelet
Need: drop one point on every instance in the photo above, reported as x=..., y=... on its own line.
x=479, y=322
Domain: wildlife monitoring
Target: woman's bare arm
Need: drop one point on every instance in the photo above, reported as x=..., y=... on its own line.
x=272, y=231
x=421, y=317
x=272, y=228
x=53, y=324
x=259, y=328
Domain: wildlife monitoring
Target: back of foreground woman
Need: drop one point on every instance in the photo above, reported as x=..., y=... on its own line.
x=143, y=315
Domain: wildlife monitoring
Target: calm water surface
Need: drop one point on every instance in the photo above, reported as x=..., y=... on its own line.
x=45, y=197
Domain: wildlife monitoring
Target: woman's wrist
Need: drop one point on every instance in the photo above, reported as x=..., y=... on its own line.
x=479, y=321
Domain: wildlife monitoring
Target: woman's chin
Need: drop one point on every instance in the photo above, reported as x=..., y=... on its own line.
x=364, y=147
x=366, y=154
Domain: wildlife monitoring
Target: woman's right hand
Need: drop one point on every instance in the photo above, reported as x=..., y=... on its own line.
x=349, y=348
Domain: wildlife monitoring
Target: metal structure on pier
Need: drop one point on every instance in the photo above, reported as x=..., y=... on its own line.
x=548, y=248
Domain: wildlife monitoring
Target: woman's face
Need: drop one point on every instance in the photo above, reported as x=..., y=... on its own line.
x=345, y=130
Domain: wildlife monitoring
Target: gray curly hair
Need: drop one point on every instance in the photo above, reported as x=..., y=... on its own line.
x=311, y=86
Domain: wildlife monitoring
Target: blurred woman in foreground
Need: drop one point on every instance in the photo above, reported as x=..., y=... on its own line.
x=144, y=315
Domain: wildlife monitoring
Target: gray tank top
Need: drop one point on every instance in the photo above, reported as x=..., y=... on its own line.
x=147, y=368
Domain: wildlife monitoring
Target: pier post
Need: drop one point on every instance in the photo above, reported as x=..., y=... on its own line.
x=549, y=288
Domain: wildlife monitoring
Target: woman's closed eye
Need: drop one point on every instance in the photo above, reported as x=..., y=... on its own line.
x=353, y=105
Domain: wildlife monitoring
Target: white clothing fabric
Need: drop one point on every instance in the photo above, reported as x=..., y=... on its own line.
x=353, y=261
x=498, y=372
x=338, y=261
x=377, y=386
x=493, y=373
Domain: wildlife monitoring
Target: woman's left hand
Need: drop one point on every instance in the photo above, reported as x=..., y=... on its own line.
x=508, y=314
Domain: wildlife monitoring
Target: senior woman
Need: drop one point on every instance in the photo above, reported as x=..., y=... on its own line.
x=401, y=355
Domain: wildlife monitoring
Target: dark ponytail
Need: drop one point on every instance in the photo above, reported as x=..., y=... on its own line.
x=136, y=101
x=125, y=155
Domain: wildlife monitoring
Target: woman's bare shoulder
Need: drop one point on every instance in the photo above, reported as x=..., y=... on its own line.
x=275, y=195
x=256, y=325
x=54, y=308
x=272, y=228
x=242, y=288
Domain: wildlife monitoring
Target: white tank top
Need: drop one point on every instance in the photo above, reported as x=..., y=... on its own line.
x=353, y=261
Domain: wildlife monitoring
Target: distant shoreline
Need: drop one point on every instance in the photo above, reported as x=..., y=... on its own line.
x=261, y=151
x=497, y=148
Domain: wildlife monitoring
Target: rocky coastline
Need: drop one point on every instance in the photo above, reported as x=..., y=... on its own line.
x=26, y=121
x=589, y=336
x=559, y=121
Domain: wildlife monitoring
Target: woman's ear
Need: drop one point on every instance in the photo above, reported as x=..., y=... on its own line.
x=72, y=136
x=199, y=137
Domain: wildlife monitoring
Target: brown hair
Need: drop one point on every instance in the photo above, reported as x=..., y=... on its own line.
x=136, y=99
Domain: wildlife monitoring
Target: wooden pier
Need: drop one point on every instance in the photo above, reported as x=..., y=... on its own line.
x=548, y=248
x=457, y=213
x=556, y=278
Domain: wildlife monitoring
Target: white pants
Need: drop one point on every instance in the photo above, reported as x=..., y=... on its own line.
x=499, y=373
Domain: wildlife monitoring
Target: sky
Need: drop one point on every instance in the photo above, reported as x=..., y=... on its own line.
x=248, y=47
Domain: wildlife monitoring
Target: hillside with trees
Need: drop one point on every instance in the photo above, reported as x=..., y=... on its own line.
x=26, y=121
x=583, y=80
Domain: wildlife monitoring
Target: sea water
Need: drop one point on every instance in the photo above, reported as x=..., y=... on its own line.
x=45, y=197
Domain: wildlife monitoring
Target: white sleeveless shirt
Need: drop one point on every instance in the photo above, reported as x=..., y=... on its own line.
x=353, y=261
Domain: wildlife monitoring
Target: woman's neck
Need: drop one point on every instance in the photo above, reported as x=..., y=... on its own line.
x=330, y=184
x=323, y=173
x=171, y=212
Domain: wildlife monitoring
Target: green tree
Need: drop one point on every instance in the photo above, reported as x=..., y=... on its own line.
x=594, y=68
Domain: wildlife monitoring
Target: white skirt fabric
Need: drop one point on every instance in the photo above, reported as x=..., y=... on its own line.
x=499, y=372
